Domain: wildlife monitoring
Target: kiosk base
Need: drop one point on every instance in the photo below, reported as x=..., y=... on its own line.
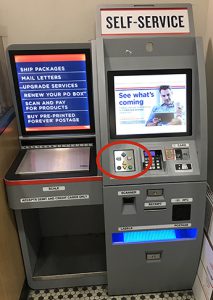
x=150, y=247
x=60, y=220
x=61, y=249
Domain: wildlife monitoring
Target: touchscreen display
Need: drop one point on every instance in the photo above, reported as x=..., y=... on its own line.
x=150, y=104
x=53, y=91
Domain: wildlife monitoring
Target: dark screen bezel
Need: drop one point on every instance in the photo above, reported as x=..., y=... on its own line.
x=13, y=53
x=111, y=101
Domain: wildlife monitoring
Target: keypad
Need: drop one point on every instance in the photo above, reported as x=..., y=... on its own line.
x=156, y=160
x=156, y=163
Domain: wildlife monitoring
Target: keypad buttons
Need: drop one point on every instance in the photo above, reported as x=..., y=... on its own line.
x=124, y=160
x=156, y=160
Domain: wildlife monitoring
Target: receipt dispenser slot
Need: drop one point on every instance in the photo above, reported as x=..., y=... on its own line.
x=155, y=200
x=155, y=192
x=155, y=195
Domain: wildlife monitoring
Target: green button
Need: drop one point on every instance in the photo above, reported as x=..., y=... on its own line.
x=130, y=167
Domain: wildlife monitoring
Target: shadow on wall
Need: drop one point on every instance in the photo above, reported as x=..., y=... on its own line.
x=209, y=81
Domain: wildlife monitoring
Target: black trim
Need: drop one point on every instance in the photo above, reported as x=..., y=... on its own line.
x=6, y=119
x=57, y=141
x=25, y=291
x=87, y=52
x=111, y=101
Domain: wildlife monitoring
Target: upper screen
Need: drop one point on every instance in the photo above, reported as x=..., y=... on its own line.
x=150, y=103
x=53, y=91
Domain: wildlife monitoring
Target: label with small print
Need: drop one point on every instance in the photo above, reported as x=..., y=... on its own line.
x=156, y=204
x=182, y=200
x=53, y=188
x=53, y=198
x=128, y=193
x=149, y=227
x=181, y=145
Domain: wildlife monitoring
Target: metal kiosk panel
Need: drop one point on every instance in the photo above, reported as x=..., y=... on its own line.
x=154, y=219
x=53, y=185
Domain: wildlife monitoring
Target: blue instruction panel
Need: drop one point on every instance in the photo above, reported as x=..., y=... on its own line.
x=54, y=91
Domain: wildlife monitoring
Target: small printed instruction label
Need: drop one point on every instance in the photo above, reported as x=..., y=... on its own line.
x=54, y=198
x=182, y=145
x=128, y=193
x=53, y=188
x=150, y=205
x=182, y=200
x=166, y=226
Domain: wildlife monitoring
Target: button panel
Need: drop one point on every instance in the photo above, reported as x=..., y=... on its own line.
x=156, y=160
x=124, y=160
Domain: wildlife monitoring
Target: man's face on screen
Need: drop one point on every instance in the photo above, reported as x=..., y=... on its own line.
x=166, y=96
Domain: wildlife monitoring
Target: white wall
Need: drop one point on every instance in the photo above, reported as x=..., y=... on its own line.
x=46, y=21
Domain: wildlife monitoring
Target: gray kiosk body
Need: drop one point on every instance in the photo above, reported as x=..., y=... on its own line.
x=53, y=185
x=153, y=222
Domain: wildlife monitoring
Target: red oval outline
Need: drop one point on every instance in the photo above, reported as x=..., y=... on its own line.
x=123, y=177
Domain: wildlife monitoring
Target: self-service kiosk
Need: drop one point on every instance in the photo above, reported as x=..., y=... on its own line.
x=54, y=186
x=153, y=126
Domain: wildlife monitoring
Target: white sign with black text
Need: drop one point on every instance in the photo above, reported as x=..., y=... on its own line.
x=144, y=21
